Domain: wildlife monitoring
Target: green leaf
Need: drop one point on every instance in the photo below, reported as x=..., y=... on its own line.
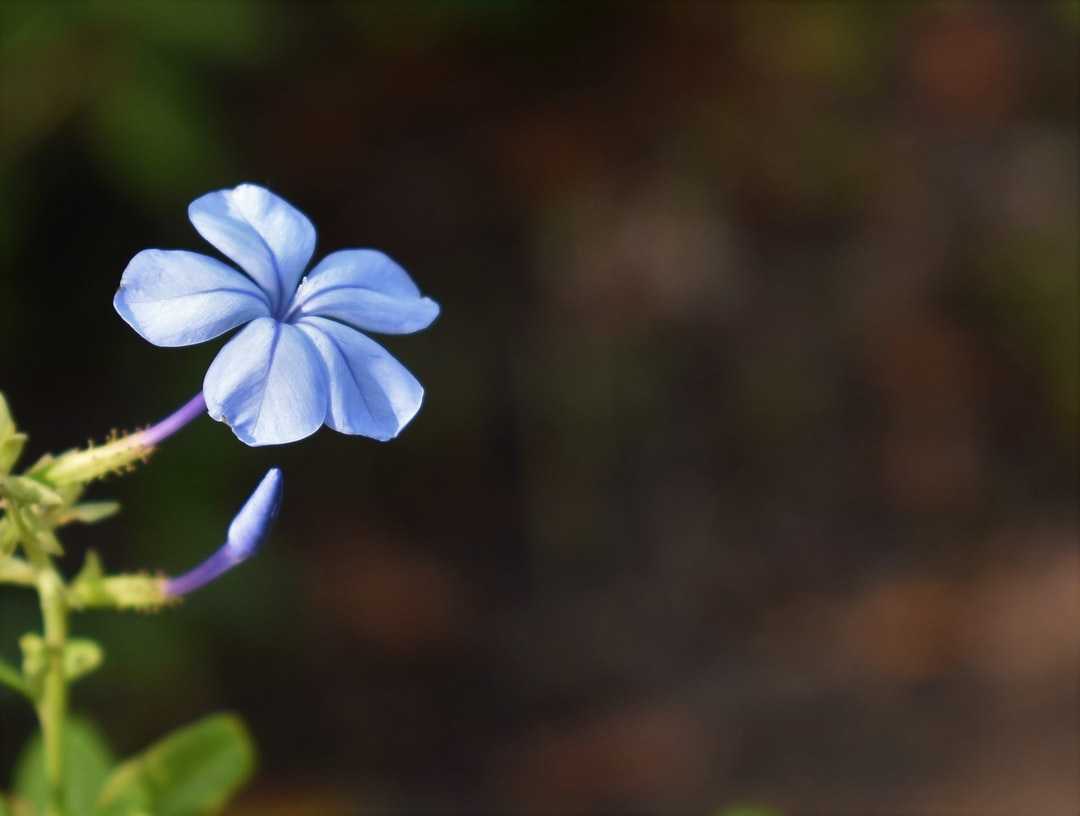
x=10, y=448
x=87, y=761
x=7, y=422
x=9, y=536
x=34, y=662
x=29, y=491
x=34, y=533
x=81, y=656
x=13, y=679
x=3, y=805
x=14, y=570
x=90, y=512
x=191, y=772
x=92, y=571
x=44, y=462
x=11, y=443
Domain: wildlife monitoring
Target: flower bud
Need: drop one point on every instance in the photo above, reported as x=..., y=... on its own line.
x=246, y=533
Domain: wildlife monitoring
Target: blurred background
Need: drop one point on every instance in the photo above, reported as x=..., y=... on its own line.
x=747, y=470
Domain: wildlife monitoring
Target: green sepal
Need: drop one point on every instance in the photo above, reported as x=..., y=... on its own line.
x=79, y=466
x=35, y=662
x=88, y=512
x=91, y=571
x=11, y=442
x=34, y=533
x=13, y=679
x=194, y=770
x=92, y=588
x=81, y=656
x=87, y=762
x=24, y=490
x=41, y=465
x=11, y=447
x=16, y=571
x=9, y=536
x=7, y=421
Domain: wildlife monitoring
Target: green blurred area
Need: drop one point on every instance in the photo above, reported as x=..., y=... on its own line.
x=747, y=466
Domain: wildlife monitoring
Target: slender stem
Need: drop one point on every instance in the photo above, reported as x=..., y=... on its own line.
x=156, y=434
x=78, y=467
x=213, y=567
x=52, y=707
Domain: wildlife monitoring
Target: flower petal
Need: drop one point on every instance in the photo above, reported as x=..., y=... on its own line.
x=371, y=393
x=265, y=235
x=177, y=298
x=268, y=384
x=366, y=289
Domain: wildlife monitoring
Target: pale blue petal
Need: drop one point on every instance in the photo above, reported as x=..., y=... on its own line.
x=265, y=235
x=177, y=298
x=366, y=289
x=371, y=393
x=268, y=384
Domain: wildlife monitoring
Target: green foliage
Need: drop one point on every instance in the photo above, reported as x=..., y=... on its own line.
x=141, y=61
x=92, y=588
x=81, y=656
x=34, y=663
x=87, y=760
x=78, y=467
x=91, y=512
x=28, y=491
x=9, y=537
x=195, y=770
x=45, y=497
x=11, y=442
x=7, y=424
x=192, y=772
x=32, y=529
x=13, y=679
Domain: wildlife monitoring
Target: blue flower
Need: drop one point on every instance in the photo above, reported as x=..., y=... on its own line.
x=300, y=361
x=246, y=533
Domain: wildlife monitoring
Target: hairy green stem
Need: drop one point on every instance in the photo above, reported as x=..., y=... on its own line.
x=52, y=706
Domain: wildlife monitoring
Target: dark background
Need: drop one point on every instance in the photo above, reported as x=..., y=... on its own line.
x=747, y=467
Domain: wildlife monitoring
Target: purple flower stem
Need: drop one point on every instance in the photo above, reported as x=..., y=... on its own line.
x=246, y=533
x=156, y=434
x=214, y=566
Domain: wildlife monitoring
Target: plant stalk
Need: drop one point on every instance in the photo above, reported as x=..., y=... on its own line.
x=52, y=706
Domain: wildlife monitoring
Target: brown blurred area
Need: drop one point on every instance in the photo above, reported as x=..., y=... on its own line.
x=747, y=472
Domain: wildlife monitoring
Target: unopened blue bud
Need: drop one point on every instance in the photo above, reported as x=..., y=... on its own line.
x=246, y=533
x=250, y=525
